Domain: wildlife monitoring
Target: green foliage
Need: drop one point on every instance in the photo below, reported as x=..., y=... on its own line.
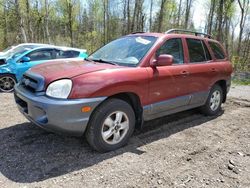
x=241, y=82
x=90, y=24
x=240, y=64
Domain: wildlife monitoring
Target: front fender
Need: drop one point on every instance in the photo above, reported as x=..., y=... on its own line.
x=5, y=70
x=111, y=82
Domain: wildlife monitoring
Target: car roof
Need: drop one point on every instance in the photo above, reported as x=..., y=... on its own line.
x=64, y=48
x=58, y=48
x=172, y=35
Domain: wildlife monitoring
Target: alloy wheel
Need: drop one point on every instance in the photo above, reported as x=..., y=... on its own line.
x=215, y=100
x=115, y=127
x=7, y=83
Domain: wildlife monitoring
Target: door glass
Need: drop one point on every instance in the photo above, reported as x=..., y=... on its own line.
x=39, y=55
x=218, y=52
x=172, y=47
x=67, y=54
x=208, y=56
x=196, y=51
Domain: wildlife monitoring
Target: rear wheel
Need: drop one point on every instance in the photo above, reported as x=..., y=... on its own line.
x=214, y=100
x=111, y=125
x=7, y=83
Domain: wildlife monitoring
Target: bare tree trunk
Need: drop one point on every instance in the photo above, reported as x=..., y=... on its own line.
x=21, y=22
x=243, y=6
x=187, y=13
x=210, y=17
x=70, y=20
x=220, y=17
x=128, y=16
x=179, y=13
x=161, y=15
x=30, y=31
x=104, y=21
x=5, y=30
x=150, y=15
x=47, y=20
x=134, y=15
x=108, y=21
x=124, y=18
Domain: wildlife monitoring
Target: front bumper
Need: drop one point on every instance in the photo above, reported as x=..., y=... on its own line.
x=56, y=115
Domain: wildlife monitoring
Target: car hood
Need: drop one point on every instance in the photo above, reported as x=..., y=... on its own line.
x=69, y=68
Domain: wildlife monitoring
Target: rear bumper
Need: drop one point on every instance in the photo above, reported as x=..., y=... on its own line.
x=56, y=115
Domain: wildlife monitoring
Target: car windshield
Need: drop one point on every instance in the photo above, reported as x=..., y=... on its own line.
x=127, y=51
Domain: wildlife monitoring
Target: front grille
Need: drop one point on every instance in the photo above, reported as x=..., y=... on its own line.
x=32, y=82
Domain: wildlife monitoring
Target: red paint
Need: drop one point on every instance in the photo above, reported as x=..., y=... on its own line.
x=151, y=84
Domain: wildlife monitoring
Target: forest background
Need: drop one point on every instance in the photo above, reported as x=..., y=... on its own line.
x=90, y=24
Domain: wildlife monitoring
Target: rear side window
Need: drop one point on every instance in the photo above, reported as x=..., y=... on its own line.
x=67, y=54
x=218, y=52
x=172, y=47
x=197, y=51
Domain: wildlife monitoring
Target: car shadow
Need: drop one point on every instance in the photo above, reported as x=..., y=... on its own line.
x=30, y=154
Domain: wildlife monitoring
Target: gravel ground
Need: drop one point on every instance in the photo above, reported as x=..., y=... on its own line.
x=182, y=150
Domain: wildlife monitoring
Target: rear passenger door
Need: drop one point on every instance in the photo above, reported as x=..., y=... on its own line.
x=202, y=70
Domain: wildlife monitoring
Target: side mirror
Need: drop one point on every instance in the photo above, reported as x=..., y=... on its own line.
x=162, y=60
x=25, y=59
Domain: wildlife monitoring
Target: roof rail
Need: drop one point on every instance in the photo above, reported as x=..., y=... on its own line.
x=188, y=31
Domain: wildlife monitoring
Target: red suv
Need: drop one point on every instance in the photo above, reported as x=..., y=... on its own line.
x=133, y=79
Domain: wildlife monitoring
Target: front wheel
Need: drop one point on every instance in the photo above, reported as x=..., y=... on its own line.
x=214, y=100
x=7, y=83
x=111, y=125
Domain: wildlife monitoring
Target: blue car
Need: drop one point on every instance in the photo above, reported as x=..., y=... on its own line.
x=19, y=59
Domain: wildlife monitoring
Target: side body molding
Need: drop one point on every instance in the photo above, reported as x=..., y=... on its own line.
x=174, y=105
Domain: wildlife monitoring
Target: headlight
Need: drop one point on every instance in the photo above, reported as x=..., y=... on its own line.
x=59, y=89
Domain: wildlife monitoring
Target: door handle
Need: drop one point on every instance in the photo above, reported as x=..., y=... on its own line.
x=184, y=73
x=214, y=70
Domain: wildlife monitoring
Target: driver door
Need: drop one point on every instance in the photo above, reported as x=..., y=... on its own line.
x=168, y=85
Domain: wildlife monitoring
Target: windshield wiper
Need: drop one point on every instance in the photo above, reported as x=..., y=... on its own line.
x=101, y=61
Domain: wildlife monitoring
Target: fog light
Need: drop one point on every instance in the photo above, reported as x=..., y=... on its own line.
x=86, y=109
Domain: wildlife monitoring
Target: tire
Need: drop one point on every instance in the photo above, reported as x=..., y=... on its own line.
x=112, y=118
x=7, y=83
x=214, y=101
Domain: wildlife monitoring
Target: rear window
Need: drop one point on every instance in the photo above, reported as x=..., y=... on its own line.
x=217, y=50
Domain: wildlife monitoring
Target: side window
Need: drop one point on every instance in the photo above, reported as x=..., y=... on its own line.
x=172, y=47
x=196, y=50
x=41, y=55
x=218, y=52
x=67, y=54
x=208, y=56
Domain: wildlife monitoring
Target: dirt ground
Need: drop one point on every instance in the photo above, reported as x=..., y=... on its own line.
x=182, y=150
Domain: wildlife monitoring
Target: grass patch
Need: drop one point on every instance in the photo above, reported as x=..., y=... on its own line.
x=241, y=82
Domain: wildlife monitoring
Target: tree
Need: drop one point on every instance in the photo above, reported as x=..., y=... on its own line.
x=46, y=20
x=20, y=21
x=243, y=4
x=161, y=15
